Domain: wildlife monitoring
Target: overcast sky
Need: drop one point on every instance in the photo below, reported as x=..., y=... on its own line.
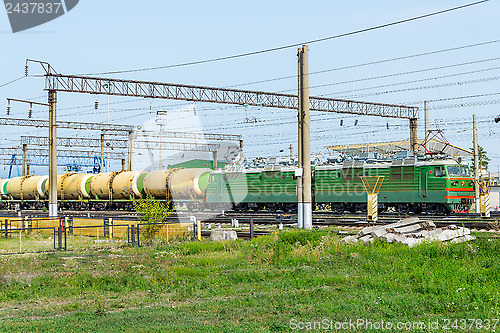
x=101, y=36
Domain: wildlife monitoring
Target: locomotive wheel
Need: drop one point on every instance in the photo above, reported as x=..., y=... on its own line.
x=271, y=207
x=337, y=207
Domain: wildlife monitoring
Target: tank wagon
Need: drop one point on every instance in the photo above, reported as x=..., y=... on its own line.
x=3, y=188
x=110, y=190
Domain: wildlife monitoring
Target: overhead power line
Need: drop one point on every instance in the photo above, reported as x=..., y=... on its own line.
x=398, y=74
x=451, y=98
x=412, y=81
x=293, y=45
x=368, y=63
x=450, y=84
x=6, y=84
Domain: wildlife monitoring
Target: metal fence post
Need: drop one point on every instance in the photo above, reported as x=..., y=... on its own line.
x=110, y=228
x=105, y=228
x=6, y=228
x=59, y=237
x=132, y=234
x=251, y=228
x=138, y=235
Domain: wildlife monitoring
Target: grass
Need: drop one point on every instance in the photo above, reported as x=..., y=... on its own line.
x=243, y=286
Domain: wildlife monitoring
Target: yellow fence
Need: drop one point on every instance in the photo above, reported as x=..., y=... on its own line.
x=94, y=227
x=89, y=227
x=174, y=230
x=119, y=229
x=25, y=223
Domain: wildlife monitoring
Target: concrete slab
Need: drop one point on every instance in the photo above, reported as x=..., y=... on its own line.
x=379, y=232
x=223, y=235
x=367, y=231
x=408, y=229
x=350, y=239
x=366, y=239
x=465, y=238
x=411, y=242
x=389, y=238
x=403, y=222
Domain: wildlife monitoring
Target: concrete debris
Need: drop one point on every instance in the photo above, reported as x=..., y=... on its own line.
x=411, y=231
x=223, y=235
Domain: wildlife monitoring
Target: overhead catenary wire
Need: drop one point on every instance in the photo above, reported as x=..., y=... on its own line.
x=367, y=63
x=252, y=53
x=10, y=82
x=449, y=84
x=399, y=74
x=411, y=81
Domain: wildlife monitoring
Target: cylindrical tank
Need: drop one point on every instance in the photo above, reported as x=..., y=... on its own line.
x=61, y=179
x=14, y=187
x=129, y=183
x=101, y=184
x=155, y=183
x=33, y=188
x=3, y=187
x=188, y=184
x=77, y=186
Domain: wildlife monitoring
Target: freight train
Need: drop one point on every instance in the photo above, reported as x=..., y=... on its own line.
x=408, y=185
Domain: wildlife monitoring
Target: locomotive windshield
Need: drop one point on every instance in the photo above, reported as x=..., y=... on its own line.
x=454, y=171
x=465, y=171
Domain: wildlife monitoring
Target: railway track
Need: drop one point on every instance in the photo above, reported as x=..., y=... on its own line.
x=320, y=218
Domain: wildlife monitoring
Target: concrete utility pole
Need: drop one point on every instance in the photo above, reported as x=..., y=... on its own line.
x=214, y=160
x=130, y=150
x=102, y=152
x=413, y=135
x=52, y=154
x=476, y=165
x=426, y=124
x=25, y=162
x=305, y=153
x=298, y=173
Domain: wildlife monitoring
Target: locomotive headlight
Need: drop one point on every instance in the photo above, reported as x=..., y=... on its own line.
x=455, y=183
x=471, y=183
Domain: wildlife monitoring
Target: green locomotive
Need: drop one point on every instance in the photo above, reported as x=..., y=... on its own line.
x=436, y=187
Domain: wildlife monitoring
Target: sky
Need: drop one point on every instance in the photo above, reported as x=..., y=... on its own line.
x=103, y=36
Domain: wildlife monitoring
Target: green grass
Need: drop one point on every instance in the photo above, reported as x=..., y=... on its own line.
x=244, y=286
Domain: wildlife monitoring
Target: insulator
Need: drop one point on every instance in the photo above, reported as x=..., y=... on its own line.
x=30, y=113
x=341, y=122
x=8, y=110
x=96, y=105
x=387, y=125
x=356, y=122
x=26, y=70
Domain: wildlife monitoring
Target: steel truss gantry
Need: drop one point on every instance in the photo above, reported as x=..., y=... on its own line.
x=110, y=155
x=119, y=144
x=112, y=129
x=132, y=88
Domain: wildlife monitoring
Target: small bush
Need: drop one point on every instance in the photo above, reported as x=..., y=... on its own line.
x=153, y=211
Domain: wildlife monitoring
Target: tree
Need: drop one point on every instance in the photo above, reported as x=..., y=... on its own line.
x=153, y=211
x=484, y=160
